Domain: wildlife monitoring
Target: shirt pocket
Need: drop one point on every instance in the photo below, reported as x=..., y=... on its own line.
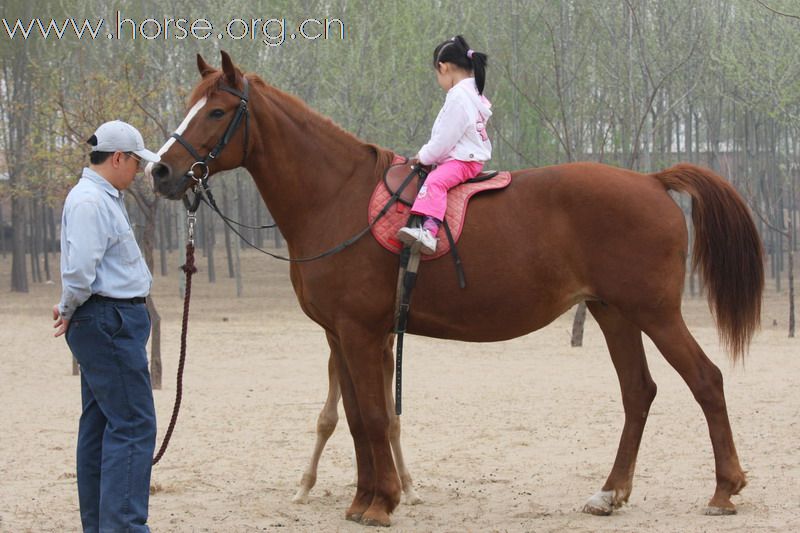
x=125, y=248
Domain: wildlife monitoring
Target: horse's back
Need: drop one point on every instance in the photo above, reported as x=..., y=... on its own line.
x=557, y=236
x=592, y=203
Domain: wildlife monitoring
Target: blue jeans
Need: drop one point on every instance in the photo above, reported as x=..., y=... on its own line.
x=117, y=431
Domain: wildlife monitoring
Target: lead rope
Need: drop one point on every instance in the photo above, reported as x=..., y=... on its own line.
x=189, y=269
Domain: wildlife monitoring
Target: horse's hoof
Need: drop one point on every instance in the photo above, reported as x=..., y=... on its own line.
x=301, y=497
x=719, y=511
x=720, y=505
x=411, y=498
x=597, y=511
x=354, y=517
x=601, y=504
x=376, y=518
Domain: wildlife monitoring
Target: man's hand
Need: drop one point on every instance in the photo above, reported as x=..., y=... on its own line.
x=61, y=324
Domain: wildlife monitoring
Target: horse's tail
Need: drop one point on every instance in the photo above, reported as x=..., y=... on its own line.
x=727, y=250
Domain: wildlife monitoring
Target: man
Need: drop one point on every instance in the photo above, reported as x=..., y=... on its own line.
x=102, y=311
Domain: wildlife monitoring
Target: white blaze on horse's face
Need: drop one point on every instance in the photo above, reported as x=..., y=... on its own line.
x=189, y=116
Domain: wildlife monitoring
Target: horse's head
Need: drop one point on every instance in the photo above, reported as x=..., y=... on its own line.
x=213, y=136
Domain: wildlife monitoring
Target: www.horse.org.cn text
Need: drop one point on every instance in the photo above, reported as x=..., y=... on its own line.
x=269, y=31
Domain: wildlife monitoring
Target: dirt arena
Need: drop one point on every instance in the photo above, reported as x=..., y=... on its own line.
x=511, y=436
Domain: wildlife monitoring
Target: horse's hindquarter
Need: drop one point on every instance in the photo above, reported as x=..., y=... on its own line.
x=557, y=236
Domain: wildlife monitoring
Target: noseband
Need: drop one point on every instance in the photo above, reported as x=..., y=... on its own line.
x=241, y=112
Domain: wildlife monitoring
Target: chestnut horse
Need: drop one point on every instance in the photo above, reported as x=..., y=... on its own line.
x=555, y=237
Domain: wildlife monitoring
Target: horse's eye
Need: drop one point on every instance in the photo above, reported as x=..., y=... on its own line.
x=217, y=113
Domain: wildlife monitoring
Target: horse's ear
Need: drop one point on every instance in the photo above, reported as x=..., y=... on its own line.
x=229, y=69
x=204, y=68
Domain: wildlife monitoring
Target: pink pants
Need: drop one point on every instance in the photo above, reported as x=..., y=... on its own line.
x=432, y=197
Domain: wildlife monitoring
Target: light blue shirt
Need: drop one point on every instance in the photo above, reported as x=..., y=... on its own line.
x=99, y=254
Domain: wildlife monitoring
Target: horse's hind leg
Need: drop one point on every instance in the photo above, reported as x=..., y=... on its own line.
x=326, y=423
x=624, y=341
x=411, y=497
x=704, y=379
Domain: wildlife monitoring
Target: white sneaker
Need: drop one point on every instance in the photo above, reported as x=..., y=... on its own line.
x=427, y=242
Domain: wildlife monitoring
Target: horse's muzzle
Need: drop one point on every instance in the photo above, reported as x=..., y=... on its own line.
x=165, y=183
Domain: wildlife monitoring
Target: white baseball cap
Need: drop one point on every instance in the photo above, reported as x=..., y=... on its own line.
x=118, y=136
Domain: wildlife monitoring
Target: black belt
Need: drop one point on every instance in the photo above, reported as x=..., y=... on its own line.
x=101, y=298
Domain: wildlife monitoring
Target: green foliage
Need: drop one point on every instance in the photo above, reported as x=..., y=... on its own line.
x=569, y=80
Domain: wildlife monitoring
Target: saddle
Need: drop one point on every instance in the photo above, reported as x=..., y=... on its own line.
x=385, y=229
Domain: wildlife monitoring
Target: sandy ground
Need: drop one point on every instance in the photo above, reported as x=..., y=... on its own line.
x=511, y=436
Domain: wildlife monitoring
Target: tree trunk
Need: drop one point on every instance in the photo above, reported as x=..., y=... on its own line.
x=237, y=245
x=19, y=273
x=46, y=242
x=155, y=344
x=163, y=231
x=791, y=291
x=259, y=210
x=148, y=205
x=34, y=240
x=227, y=230
x=2, y=233
x=18, y=108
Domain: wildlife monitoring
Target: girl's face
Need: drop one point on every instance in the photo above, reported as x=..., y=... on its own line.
x=449, y=74
x=444, y=76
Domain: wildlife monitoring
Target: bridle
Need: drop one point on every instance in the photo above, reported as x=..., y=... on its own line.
x=201, y=162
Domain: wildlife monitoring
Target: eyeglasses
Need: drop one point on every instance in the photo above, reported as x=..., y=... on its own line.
x=139, y=161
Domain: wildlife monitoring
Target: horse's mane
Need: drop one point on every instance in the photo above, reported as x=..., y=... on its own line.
x=294, y=106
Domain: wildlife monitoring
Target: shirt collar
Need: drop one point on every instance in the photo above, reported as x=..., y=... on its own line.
x=101, y=182
x=466, y=83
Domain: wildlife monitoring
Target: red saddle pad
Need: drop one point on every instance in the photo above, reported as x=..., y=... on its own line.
x=385, y=230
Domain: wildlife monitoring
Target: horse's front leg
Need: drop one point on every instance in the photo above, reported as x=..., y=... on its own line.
x=326, y=423
x=364, y=396
x=364, y=470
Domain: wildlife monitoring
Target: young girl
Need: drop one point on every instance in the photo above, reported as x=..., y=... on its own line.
x=459, y=145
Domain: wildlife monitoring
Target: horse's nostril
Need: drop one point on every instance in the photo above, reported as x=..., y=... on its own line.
x=160, y=171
